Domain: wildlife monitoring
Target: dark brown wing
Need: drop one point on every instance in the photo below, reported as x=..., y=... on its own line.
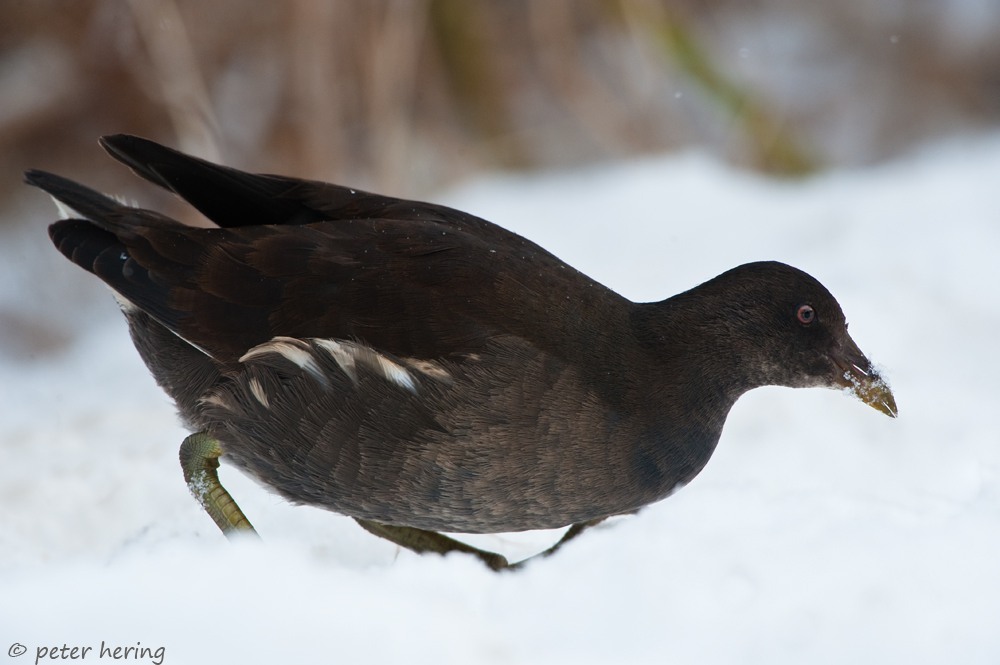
x=233, y=198
x=421, y=288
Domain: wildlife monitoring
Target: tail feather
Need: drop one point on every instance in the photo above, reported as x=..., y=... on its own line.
x=105, y=237
x=232, y=198
x=83, y=202
x=84, y=243
x=218, y=287
x=226, y=196
x=104, y=211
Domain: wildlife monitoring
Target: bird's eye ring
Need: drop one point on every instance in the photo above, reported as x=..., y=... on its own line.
x=805, y=314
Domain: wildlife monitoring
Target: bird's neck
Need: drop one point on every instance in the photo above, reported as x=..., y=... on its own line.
x=692, y=344
x=688, y=376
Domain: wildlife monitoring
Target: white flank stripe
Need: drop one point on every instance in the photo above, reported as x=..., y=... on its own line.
x=395, y=373
x=429, y=368
x=349, y=354
x=218, y=400
x=258, y=392
x=343, y=354
x=295, y=350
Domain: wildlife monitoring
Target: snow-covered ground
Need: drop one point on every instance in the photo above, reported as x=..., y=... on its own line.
x=820, y=532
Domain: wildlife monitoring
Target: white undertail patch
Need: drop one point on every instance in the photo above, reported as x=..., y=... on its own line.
x=130, y=309
x=126, y=305
x=121, y=200
x=66, y=212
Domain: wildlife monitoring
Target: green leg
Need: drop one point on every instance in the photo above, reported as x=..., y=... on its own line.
x=570, y=534
x=421, y=541
x=200, y=461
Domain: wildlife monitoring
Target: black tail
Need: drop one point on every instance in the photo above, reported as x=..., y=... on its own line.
x=84, y=202
x=89, y=242
x=226, y=196
x=92, y=248
x=232, y=198
x=106, y=238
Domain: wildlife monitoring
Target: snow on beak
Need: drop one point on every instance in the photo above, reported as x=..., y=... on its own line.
x=860, y=379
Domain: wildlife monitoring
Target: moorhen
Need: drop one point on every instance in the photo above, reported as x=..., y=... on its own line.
x=422, y=370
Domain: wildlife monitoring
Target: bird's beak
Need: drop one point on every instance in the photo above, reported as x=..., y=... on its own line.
x=861, y=380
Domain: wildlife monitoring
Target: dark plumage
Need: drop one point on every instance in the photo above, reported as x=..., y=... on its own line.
x=417, y=366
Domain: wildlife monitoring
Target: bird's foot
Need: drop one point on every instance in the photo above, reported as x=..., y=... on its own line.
x=200, y=460
x=421, y=541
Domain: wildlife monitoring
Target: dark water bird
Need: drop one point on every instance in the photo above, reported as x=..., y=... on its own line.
x=422, y=370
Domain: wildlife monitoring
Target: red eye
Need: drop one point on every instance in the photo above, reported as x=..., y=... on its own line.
x=806, y=314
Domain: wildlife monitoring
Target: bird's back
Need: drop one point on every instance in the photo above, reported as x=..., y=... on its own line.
x=390, y=360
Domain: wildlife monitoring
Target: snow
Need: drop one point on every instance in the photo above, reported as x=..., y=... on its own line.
x=820, y=532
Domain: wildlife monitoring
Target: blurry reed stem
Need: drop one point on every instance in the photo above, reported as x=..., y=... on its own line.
x=181, y=84
x=583, y=96
x=319, y=85
x=774, y=150
x=394, y=79
x=460, y=29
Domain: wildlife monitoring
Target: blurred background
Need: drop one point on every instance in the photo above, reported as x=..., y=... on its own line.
x=409, y=97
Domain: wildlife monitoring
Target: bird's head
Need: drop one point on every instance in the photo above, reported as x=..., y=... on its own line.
x=779, y=326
